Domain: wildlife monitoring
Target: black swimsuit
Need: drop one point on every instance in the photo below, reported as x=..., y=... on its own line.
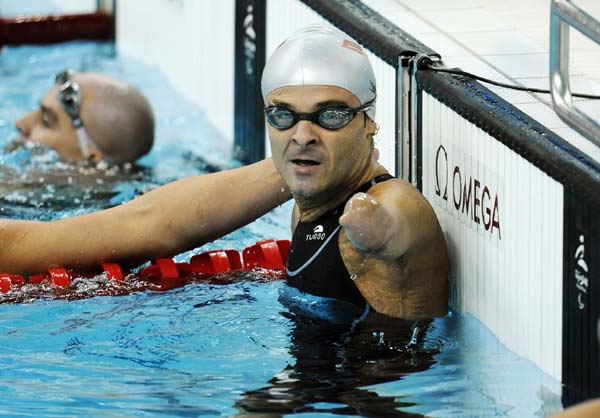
x=315, y=264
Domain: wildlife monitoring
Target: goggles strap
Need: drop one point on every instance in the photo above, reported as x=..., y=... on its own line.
x=84, y=140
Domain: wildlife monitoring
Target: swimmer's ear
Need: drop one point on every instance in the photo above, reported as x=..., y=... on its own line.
x=372, y=128
x=375, y=157
x=95, y=156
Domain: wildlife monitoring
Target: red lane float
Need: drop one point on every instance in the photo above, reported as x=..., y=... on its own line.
x=56, y=28
x=5, y=282
x=113, y=271
x=165, y=274
x=216, y=261
x=267, y=254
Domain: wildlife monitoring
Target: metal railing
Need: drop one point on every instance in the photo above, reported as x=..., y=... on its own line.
x=565, y=14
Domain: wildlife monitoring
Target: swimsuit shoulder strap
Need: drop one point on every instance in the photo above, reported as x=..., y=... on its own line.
x=377, y=179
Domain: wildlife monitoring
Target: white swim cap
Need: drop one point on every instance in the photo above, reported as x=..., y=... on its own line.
x=318, y=55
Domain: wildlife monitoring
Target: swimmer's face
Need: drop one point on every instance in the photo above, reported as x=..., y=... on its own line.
x=50, y=126
x=312, y=160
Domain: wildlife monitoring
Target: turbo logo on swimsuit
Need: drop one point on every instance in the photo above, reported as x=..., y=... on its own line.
x=317, y=235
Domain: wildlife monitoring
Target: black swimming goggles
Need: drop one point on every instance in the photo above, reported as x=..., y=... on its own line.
x=69, y=96
x=330, y=117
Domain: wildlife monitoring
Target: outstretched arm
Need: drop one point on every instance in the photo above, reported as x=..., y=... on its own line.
x=170, y=219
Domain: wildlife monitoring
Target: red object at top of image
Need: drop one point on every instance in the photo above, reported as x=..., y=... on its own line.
x=49, y=29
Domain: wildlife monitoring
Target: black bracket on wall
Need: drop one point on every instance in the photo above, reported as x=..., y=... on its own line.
x=250, y=40
x=581, y=296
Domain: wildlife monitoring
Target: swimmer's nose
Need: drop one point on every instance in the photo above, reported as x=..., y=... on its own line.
x=304, y=134
x=23, y=124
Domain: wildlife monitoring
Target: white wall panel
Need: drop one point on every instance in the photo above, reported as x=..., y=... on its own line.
x=506, y=258
x=192, y=43
x=286, y=16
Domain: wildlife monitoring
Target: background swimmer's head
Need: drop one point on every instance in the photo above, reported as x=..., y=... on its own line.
x=116, y=116
x=321, y=56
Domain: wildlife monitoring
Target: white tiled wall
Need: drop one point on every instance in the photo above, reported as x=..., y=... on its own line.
x=507, y=40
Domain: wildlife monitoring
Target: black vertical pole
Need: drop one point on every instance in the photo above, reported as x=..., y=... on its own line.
x=250, y=38
x=581, y=300
x=110, y=8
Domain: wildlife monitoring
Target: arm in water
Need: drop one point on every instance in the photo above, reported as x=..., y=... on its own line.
x=173, y=218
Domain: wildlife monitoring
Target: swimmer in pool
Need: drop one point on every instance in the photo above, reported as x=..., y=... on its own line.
x=359, y=234
x=91, y=116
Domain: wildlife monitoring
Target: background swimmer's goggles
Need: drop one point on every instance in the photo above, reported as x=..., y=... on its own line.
x=69, y=96
x=330, y=117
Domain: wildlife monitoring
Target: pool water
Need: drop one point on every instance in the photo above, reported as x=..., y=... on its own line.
x=249, y=347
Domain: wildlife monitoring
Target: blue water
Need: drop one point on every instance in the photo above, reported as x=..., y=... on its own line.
x=244, y=348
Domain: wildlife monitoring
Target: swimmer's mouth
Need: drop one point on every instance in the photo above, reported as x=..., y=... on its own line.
x=305, y=163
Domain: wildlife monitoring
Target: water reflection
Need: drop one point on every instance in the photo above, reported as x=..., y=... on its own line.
x=335, y=362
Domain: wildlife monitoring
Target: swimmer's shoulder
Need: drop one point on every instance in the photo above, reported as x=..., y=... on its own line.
x=395, y=187
x=402, y=195
x=414, y=284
